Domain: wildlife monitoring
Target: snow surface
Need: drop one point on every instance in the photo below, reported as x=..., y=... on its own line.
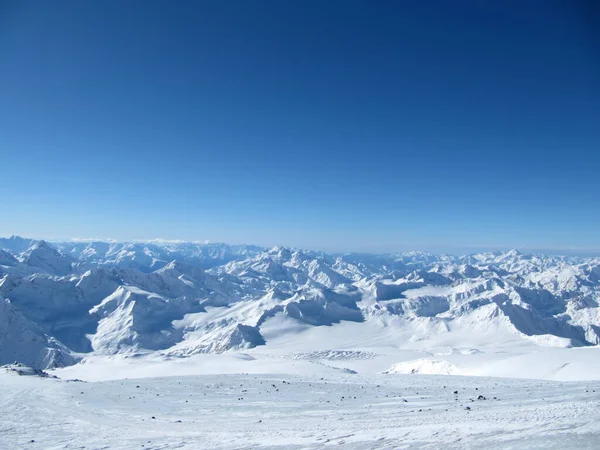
x=205, y=330
x=424, y=366
x=244, y=411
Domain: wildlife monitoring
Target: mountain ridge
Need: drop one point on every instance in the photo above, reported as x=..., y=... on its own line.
x=182, y=298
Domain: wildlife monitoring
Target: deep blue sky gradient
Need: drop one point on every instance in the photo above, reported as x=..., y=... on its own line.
x=341, y=125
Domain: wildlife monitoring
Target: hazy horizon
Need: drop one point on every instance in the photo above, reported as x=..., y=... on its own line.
x=455, y=251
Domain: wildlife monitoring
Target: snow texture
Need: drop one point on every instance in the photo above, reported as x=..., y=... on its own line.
x=298, y=412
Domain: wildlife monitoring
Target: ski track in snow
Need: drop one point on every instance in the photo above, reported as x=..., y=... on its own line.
x=295, y=412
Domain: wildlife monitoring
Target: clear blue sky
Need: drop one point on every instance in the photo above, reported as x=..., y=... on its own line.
x=341, y=125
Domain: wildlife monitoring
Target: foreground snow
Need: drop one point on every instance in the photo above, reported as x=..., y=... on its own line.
x=308, y=412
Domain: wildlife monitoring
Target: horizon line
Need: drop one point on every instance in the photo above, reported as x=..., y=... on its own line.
x=479, y=249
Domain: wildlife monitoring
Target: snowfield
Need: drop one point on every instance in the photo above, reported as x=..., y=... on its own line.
x=199, y=345
x=299, y=412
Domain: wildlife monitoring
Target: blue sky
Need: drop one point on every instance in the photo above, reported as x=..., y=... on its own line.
x=340, y=125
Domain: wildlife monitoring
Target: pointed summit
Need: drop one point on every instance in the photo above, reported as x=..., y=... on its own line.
x=280, y=252
x=42, y=245
x=47, y=258
x=15, y=244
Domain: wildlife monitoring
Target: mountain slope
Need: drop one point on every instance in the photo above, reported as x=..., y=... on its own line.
x=21, y=340
x=180, y=299
x=47, y=259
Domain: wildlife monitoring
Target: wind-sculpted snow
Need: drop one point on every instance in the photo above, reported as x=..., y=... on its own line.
x=181, y=299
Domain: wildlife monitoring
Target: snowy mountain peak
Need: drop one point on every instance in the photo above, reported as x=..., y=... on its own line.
x=42, y=256
x=187, y=298
x=180, y=267
x=41, y=245
x=15, y=244
x=280, y=252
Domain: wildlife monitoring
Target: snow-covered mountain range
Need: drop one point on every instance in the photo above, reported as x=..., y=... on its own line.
x=63, y=301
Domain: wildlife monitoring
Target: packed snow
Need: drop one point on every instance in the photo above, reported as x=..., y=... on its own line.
x=242, y=411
